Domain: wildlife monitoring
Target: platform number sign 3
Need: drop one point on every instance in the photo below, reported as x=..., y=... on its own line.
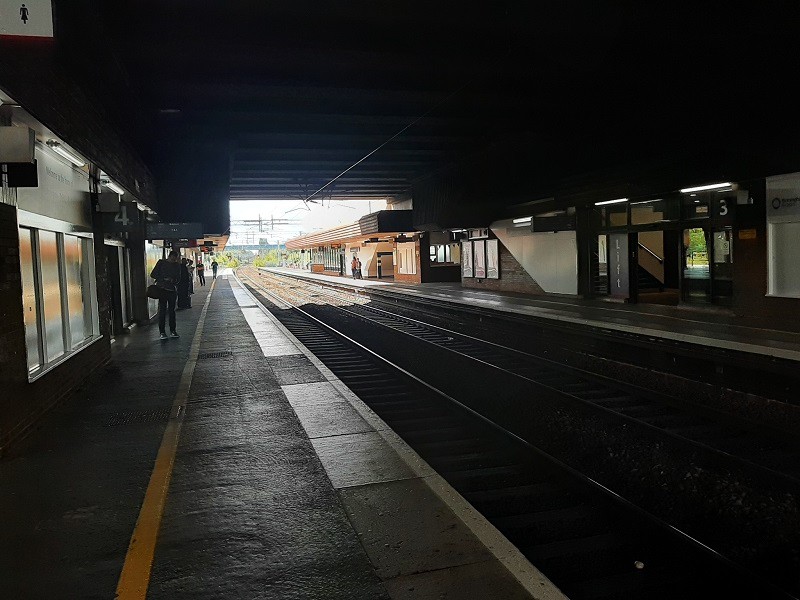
x=723, y=207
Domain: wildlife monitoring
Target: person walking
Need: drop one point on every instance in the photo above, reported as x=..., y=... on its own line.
x=167, y=274
x=184, y=301
x=214, y=267
x=201, y=272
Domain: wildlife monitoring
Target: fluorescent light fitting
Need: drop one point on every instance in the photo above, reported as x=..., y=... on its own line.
x=113, y=186
x=702, y=188
x=59, y=149
x=617, y=201
x=522, y=220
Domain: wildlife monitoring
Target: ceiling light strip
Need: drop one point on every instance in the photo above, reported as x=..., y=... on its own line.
x=702, y=188
x=61, y=151
x=113, y=187
x=617, y=201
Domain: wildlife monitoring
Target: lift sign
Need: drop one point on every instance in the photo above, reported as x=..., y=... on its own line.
x=618, y=265
x=32, y=18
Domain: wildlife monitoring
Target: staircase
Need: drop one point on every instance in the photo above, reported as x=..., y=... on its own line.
x=646, y=282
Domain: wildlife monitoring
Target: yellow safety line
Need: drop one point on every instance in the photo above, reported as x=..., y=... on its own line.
x=135, y=576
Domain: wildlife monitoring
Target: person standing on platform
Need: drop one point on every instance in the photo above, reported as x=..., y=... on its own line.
x=167, y=274
x=354, y=266
x=190, y=267
x=358, y=268
x=214, y=267
x=183, y=286
x=201, y=272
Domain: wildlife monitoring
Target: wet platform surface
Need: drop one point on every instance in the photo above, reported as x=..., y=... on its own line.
x=713, y=327
x=283, y=484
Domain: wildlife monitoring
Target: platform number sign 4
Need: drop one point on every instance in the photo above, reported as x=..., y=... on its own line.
x=122, y=215
x=125, y=219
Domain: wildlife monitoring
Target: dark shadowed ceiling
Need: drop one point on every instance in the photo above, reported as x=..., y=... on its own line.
x=272, y=100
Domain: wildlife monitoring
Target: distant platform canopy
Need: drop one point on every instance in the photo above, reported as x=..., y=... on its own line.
x=383, y=223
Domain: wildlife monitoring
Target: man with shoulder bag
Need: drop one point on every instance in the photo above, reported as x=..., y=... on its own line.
x=167, y=274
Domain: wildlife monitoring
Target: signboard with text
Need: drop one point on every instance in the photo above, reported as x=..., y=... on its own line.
x=618, y=265
x=174, y=231
x=32, y=18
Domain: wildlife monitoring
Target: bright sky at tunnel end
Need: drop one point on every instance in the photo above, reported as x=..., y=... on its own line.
x=303, y=218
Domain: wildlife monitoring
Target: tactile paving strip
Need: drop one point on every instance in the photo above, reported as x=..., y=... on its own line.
x=141, y=416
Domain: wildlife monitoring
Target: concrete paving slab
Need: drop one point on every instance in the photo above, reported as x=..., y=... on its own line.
x=251, y=512
x=405, y=528
x=333, y=418
x=360, y=459
x=269, y=337
x=311, y=393
x=301, y=371
x=478, y=581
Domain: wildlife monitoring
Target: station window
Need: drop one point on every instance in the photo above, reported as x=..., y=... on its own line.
x=445, y=253
x=406, y=258
x=614, y=215
x=656, y=210
x=58, y=295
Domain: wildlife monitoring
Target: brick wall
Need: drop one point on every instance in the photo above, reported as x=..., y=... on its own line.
x=513, y=278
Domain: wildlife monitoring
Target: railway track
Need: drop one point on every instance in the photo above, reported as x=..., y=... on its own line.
x=587, y=539
x=724, y=438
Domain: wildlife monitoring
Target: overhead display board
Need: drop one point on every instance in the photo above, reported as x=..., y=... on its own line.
x=174, y=231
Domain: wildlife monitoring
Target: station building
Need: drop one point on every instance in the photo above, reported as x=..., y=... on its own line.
x=76, y=256
x=719, y=238
x=387, y=246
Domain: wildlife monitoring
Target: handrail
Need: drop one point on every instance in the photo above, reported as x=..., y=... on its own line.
x=653, y=254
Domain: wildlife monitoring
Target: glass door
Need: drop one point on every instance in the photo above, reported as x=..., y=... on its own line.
x=696, y=272
x=722, y=266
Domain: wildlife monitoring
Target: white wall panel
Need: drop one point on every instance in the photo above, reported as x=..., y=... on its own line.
x=63, y=191
x=551, y=259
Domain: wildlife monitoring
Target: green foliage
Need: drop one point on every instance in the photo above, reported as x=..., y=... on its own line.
x=697, y=240
x=270, y=258
x=229, y=259
x=697, y=251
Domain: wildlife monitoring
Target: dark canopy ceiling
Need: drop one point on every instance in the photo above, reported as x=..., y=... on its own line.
x=272, y=100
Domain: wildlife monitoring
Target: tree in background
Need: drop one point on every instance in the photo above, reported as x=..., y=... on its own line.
x=269, y=258
x=230, y=260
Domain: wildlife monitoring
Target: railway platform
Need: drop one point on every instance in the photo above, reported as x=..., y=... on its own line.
x=706, y=328
x=230, y=463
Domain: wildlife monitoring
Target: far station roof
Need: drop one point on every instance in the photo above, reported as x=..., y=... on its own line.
x=220, y=241
x=382, y=224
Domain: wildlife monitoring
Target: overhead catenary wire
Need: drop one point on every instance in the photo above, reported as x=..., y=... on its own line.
x=399, y=133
